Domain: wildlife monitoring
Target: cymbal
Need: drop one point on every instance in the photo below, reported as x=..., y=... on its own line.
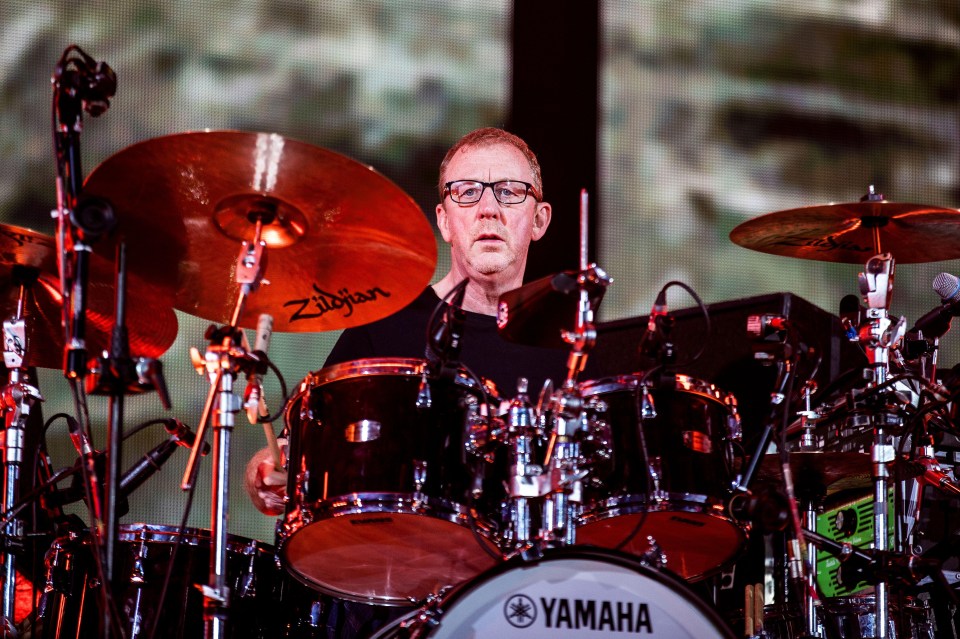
x=849, y=233
x=345, y=245
x=30, y=258
x=814, y=469
x=537, y=313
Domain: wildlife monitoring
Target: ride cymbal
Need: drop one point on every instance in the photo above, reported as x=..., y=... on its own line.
x=29, y=258
x=854, y=232
x=345, y=245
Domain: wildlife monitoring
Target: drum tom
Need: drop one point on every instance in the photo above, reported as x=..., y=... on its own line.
x=387, y=505
x=570, y=592
x=70, y=606
x=678, y=493
x=855, y=617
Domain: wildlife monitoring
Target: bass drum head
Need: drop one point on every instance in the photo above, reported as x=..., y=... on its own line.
x=570, y=592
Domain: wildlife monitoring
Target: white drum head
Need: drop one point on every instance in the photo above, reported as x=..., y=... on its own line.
x=582, y=593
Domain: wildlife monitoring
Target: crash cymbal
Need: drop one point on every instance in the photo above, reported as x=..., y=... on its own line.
x=537, y=313
x=850, y=233
x=346, y=246
x=30, y=258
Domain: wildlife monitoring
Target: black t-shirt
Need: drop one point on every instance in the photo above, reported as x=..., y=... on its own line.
x=404, y=334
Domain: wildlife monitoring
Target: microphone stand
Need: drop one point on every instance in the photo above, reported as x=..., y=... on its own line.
x=80, y=84
x=224, y=358
x=17, y=399
x=115, y=375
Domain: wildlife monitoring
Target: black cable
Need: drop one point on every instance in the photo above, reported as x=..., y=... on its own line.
x=283, y=392
x=706, y=319
x=80, y=403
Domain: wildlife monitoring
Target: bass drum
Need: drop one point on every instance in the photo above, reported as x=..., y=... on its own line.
x=678, y=494
x=387, y=506
x=570, y=592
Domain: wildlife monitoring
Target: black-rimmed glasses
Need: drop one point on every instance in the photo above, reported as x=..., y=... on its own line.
x=506, y=191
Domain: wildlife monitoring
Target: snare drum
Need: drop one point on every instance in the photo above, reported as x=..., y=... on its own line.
x=570, y=592
x=384, y=494
x=678, y=494
x=70, y=604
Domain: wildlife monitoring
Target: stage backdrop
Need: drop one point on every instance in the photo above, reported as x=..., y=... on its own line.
x=711, y=113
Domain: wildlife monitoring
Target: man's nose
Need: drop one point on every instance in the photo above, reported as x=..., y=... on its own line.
x=489, y=207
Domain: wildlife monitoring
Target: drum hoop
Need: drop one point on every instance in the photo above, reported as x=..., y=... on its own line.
x=387, y=503
x=402, y=366
x=682, y=383
x=166, y=534
x=623, y=560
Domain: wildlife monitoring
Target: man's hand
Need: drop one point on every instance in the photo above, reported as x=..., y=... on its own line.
x=266, y=485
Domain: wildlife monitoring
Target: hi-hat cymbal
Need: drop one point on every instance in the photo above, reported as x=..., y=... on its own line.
x=30, y=258
x=850, y=233
x=819, y=469
x=346, y=246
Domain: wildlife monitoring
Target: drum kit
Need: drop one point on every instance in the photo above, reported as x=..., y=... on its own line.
x=602, y=506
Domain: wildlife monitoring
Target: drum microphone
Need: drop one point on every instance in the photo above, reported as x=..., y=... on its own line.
x=88, y=458
x=937, y=322
x=659, y=309
x=152, y=461
x=445, y=341
x=254, y=392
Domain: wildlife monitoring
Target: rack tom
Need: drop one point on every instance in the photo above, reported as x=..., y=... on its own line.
x=386, y=504
x=668, y=475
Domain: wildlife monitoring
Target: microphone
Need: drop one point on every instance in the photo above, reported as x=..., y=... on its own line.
x=936, y=322
x=934, y=475
x=87, y=457
x=254, y=390
x=153, y=460
x=444, y=347
x=183, y=436
x=659, y=309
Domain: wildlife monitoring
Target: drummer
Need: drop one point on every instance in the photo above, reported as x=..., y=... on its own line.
x=491, y=208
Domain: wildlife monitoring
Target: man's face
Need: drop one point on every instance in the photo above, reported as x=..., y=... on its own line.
x=489, y=239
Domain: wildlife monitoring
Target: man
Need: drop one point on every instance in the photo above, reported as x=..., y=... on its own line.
x=491, y=208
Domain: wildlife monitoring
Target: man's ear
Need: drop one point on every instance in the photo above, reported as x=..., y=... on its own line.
x=442, y=223
x=541, y=220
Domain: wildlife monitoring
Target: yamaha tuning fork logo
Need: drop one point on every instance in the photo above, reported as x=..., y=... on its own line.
x=560, y=613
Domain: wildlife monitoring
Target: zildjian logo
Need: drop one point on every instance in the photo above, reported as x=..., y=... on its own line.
x=321, y=302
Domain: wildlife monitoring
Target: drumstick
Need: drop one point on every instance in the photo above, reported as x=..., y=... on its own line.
x=271, y=437
x=264, y=327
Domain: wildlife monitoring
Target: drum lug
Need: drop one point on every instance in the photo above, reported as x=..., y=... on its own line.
x=648, y=409
x=303, y=478
x=419, y=475
x=654, y=555
x=424, y=400
x=655, y=468
x=247, y=582
x=137, y=577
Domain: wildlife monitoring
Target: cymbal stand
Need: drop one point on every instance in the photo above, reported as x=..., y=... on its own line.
x=876, y=336
x=224, y=358
x=17, y=399
x=563, y=477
